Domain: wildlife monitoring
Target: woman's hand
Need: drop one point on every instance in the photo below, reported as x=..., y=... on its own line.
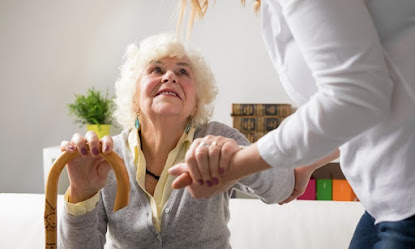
x=302, y=177
x=87, y=172
x=204, y=191
x=303, y=174
x=208, y=159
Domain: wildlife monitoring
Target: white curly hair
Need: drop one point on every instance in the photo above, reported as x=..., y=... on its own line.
x=137, y=58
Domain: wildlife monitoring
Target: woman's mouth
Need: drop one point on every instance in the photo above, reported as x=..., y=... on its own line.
x=168, y=93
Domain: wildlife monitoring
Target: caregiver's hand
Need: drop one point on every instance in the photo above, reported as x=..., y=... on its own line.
x=303, y=174
x=302, y=177
x=208, y=159
x=87, y=172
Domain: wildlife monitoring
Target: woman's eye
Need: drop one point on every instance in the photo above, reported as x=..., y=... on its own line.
x=156, y=70
x=183, y=72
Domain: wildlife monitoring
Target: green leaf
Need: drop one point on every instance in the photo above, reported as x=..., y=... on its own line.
x=92, y=108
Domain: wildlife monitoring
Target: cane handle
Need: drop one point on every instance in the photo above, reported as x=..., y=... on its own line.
x=121, y=199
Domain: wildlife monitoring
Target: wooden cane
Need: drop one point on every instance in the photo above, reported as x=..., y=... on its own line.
x=121, y=199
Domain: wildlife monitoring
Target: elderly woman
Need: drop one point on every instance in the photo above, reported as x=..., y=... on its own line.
x=164, y=99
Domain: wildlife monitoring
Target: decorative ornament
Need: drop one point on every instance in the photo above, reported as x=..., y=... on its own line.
x=137, y=123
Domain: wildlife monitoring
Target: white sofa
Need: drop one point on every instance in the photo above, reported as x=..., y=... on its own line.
x=253, y=224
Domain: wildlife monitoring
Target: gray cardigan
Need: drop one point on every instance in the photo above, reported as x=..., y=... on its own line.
x=186, y=222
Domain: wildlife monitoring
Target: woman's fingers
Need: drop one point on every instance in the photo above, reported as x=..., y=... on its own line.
x=208, y=158
x=80, y=143
x=214, y=157
x=202, y=160
x=67, y=146
x=204, y=157
x=93, y=143
x=228, y=149
x=302, y=177
x=191, y=162
x=89, y=144
x=107, y=144
x=178, y=169
x=206, y=161
x=182, y=181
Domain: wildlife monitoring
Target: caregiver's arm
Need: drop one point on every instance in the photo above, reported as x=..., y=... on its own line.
x=341, y=47
x=244, y=163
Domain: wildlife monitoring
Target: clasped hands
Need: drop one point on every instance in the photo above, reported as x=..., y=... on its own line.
x=206, y=168
x=209, y=168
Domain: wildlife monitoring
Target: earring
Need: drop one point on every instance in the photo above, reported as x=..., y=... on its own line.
x=189, y=124
x=137, y=123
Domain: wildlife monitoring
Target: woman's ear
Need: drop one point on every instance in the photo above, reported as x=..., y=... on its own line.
x=134, y=101
x=135, y=106
x=193, y=114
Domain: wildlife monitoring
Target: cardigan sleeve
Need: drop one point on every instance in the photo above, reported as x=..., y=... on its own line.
x=83, y=231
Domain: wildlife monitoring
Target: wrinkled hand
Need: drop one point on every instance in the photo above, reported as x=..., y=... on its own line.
x=208, y=158
x=196, y=189
x=206, y=163
x=302, y=177
x=87, y=172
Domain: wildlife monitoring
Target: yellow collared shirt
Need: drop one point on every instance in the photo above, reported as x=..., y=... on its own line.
x=163, y=187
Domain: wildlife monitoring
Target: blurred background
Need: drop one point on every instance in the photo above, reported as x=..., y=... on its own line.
x=52, y=50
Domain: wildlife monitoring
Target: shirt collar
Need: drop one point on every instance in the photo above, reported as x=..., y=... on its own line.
x=134, y=141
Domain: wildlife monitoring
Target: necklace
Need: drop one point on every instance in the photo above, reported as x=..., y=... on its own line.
x=147, y=171
x=153, y=175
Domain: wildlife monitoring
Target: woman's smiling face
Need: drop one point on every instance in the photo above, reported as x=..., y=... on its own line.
x=167, y=88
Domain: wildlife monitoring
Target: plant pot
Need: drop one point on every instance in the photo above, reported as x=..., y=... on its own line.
x=101, y=129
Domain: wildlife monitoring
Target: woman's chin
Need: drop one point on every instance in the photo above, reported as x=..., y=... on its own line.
x=170, y=112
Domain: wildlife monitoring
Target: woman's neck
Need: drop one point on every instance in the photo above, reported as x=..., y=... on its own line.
x=159, y=138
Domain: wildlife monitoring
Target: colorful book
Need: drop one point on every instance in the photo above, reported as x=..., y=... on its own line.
x=342, y=191
x=282, y=110
x=324, y=189
x=310, y=191
x=256, y=124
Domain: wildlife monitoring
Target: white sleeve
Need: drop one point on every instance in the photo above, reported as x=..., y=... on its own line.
x=341, y=47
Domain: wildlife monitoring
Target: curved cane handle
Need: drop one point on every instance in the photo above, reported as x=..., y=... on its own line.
x=121, y=199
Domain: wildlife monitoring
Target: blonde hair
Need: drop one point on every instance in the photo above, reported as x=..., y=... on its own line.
x=198, y=9
x=158, y=47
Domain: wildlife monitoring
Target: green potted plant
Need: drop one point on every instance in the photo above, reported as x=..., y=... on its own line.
x=93, y=110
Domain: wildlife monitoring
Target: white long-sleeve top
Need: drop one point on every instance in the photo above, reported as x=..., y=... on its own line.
x=350, y=65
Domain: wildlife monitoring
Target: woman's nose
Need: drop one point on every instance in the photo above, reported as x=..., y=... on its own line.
x=169, y=76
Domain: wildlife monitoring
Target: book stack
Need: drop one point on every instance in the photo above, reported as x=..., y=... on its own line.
x=256, y=120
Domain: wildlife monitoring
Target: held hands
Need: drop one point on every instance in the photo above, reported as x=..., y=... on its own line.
x=206, y=162
x=87, y=172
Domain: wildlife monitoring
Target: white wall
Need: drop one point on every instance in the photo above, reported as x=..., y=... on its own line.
x=51, y=50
